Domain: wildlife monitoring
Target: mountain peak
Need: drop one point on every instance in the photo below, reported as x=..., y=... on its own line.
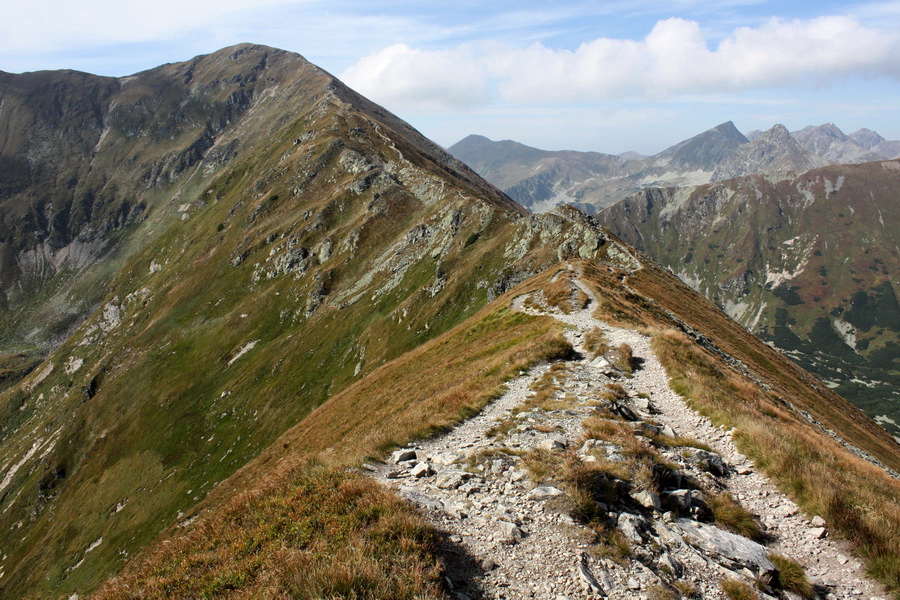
x=729, y=130
x=772, y=151
x=777, y=131
x=866, y=138
x=829, y=142
x=706, y=150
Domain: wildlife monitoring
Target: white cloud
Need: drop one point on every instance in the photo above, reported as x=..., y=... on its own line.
x=674, y=59
x=426, y=79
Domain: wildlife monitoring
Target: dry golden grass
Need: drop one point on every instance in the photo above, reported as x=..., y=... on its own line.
x=564, y=295
x=622, y=358
x=732, y=516
x=686, y=589
x=737, y=590
x=792, y=577
x=546, y=391
x=609, y=430
x=858, y=499
x=595, y=342
x=659, y=592
x=323, y=533
x=679, y=441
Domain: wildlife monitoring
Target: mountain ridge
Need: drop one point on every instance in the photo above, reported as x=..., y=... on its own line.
x=770, y=253
x=221, y=329
x=719, y=153
x=312, y=281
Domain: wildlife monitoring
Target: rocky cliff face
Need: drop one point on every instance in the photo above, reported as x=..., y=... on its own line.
x=870, y=140
x=773, y=151
x=808, y=263
x=829, y=142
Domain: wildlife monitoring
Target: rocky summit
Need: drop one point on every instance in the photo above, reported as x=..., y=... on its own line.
x=266, y=340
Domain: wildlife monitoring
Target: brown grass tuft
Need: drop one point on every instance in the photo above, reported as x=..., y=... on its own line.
x=792, y=576
x=732, y=516
x=737, y=590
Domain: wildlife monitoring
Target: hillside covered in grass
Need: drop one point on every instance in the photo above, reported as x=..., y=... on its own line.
x=340, y=240
x=314, y=284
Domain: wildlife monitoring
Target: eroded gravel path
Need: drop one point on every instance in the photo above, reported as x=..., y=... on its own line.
x=514, y=540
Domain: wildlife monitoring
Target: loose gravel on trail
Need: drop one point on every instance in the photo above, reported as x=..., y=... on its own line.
x=508, y=536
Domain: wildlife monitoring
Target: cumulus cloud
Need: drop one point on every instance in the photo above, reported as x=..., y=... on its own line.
x=423, y=78
x=674, y=59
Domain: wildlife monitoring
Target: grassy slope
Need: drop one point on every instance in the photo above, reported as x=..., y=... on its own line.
x=422, y=391
x=453, y=375
x=168, y=417
x=159, y=396
x=858, y=499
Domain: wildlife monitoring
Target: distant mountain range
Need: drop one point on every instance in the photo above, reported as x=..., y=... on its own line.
x=808, y=264
x=799, y=249
x=540, y=179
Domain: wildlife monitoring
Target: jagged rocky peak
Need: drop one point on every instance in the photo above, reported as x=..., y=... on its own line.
x=773, y=151
x=873, y=142
x=829, y=142
x=777, y=131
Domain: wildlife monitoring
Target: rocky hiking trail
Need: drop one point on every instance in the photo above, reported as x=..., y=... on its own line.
x=503, y=487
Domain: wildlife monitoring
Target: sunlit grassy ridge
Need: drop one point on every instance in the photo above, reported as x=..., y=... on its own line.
x=322, y=533
x=313, y=292
x=246, y=540
x=451, y=376
x=858, y=499
x=298, y=270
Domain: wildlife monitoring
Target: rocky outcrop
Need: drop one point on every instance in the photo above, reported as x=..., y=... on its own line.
x=774, y=151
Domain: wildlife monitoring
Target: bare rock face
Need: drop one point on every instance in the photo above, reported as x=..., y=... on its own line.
x=830, y=143
x=774, y=151
x=734, y=551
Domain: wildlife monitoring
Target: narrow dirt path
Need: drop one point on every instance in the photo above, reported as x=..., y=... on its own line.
x=518, y=540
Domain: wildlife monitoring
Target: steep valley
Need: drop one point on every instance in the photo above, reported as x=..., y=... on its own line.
x=808, y=263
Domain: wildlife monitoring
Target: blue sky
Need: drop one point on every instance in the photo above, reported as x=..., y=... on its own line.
x=606, y=76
